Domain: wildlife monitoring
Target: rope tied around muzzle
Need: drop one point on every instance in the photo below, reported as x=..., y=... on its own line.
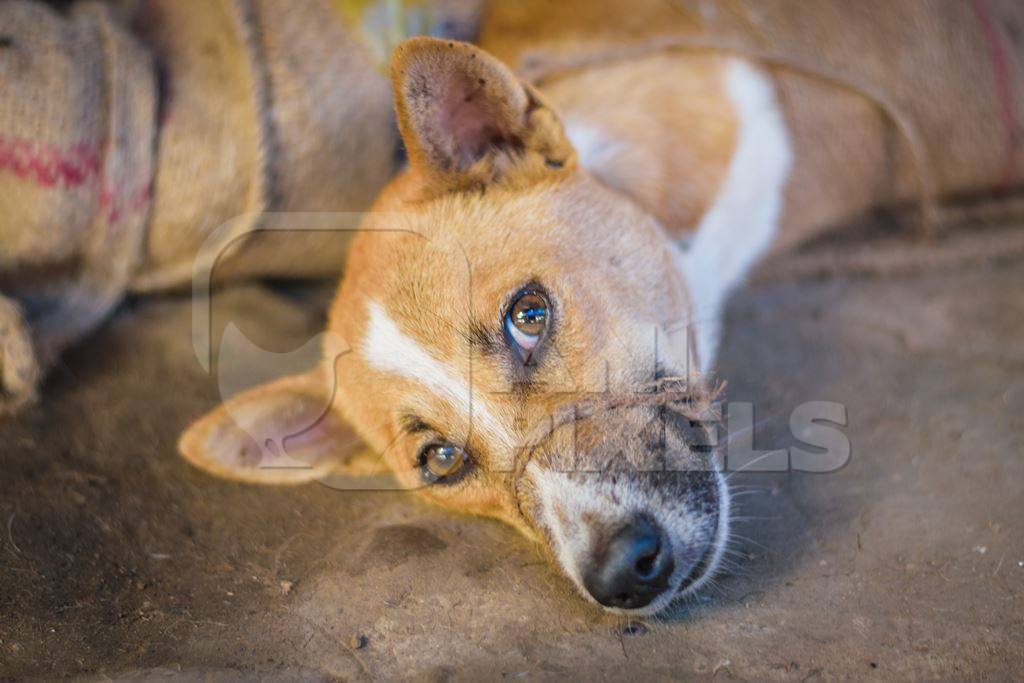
x=692, y=399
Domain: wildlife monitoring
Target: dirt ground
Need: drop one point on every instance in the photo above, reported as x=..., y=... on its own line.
x=119, y=560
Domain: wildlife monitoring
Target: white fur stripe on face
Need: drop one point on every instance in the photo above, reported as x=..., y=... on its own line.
x=741, y=223
x=570, y=544
x=387, y=348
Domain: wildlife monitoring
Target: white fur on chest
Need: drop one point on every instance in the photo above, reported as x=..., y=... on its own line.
x=744, y=217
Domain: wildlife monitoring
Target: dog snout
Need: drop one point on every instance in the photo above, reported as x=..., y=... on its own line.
x=631, y=565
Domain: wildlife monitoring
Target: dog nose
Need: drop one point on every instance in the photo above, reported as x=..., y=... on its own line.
x=630, y=566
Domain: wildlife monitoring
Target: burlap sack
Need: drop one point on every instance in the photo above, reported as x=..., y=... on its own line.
x=273, y=106
x=76, y=162
x=138, y=138
x=888, y=103
x=214, y=136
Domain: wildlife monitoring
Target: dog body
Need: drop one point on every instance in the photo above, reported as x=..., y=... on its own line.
x=423, y=353
x=530, y=314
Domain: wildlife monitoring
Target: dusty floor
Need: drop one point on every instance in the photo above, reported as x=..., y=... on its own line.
x=117, y=558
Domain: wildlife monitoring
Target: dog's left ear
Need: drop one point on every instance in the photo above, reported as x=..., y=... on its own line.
x=467, y=121
x=283, y=432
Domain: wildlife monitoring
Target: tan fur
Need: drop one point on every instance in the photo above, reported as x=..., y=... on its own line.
x=670, y=136
x=887, y=102
x=454, y=243
x=496, y=198
x=280, y=433
x=519, y=118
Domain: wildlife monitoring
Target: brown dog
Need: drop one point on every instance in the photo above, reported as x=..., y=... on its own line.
x=519, y=333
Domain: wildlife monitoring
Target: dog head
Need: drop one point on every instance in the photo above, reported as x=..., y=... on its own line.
x=511, y=338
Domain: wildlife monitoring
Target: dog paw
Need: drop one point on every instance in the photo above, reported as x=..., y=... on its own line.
x=19, y=369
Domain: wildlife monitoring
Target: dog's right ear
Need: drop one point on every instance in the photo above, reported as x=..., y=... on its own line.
x=283, y=432
x=467, y=121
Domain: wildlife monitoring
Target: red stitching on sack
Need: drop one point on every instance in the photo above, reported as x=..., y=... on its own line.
x=49, y=165
x=1004, y=86
x=135, y=201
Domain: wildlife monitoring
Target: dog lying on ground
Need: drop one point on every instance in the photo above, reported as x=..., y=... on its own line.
x=519, y=332
x=528, y=322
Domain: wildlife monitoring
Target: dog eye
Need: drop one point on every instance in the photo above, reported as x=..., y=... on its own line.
x=441, y=462
x=526, y=321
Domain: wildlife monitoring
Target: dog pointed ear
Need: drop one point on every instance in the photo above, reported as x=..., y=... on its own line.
x=466, y=120
x=283, y=432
